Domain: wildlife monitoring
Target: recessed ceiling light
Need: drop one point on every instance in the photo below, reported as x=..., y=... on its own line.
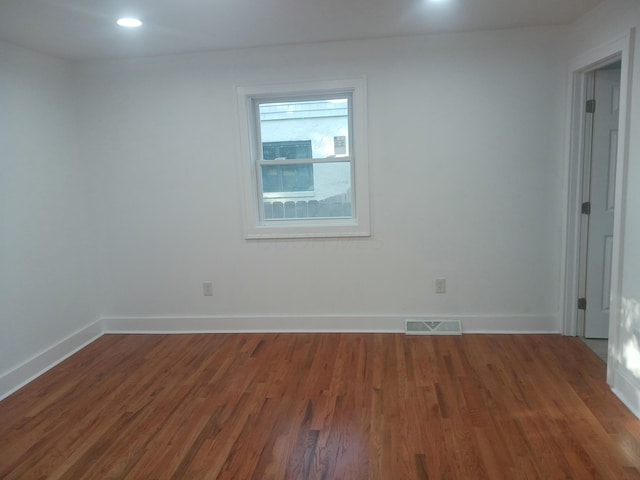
x=129, y=22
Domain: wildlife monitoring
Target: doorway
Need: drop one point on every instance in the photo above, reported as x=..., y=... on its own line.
x=600, y=153
x=614, y=55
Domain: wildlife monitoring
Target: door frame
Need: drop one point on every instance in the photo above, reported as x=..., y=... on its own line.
x=579, y=70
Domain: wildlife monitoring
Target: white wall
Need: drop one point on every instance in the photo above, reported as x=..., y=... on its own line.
x=604, y=24
x=466, y=147
x=46, y=269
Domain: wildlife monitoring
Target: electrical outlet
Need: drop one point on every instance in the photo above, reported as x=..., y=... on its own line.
x=441, y=285
x=207, y=289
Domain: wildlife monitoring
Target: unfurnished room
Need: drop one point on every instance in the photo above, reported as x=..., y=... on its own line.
x=320, y=239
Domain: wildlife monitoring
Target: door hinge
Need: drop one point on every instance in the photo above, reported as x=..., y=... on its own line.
x=591, y=106
x=586, y=208
x=582, y=303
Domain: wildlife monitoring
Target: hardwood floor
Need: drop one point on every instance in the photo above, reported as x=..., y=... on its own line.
x=321, y=406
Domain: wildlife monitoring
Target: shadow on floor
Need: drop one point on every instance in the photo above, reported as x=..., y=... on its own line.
x=598, y=346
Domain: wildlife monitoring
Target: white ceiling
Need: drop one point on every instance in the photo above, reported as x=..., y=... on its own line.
x=86, y=29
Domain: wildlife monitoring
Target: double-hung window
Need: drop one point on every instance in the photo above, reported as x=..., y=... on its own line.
x=304, y=159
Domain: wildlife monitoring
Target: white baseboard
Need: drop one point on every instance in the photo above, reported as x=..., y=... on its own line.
x=40, y=363
x=627, y=391
x=510, y=324
x=325, y=323
x=254, y=324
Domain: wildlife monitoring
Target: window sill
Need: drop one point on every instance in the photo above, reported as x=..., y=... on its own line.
x=314, y=229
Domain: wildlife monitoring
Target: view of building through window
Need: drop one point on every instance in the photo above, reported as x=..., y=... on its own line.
x=306, y=164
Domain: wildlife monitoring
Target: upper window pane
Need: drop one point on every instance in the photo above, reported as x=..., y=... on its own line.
x=324, y=122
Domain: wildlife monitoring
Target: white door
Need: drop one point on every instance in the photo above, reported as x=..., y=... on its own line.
x=604, y=152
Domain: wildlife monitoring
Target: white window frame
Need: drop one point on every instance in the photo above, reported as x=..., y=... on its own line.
x=255, y=226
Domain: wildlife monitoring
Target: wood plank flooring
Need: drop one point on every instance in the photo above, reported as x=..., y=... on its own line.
x=321, y=406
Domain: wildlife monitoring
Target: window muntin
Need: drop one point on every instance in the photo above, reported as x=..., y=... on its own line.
x=291, y=192
x=286, y=178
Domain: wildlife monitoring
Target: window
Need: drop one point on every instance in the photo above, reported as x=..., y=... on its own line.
x=304, y=159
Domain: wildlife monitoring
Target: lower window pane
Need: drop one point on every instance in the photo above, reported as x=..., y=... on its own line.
x=307, y=191
x=287, y=178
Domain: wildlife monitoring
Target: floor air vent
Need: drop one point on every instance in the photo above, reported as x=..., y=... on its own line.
x=433, y=327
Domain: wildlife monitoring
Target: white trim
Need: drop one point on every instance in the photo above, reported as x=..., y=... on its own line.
x=620, y=213
x=573, y=194
x=627, y=391
x=579, y=67
x=19, y=376
x=325, y=323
